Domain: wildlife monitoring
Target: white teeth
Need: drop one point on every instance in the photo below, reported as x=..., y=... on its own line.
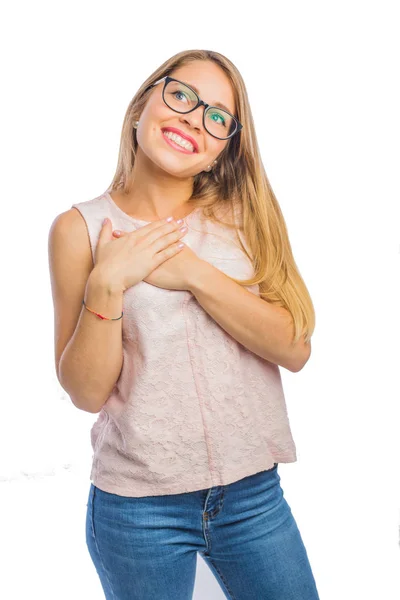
x=178, y=140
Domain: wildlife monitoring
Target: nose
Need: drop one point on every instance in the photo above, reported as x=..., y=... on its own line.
x=194, y=119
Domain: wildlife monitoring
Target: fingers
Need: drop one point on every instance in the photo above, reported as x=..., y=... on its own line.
x=168, y=252
x=160, y=229
x=152, y=231
x=167, y=224
x=145, y=229
x=159, y=243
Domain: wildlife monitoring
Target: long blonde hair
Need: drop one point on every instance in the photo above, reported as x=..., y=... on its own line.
x=238, y=180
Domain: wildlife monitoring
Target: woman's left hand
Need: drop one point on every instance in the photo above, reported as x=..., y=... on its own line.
x=175, y=273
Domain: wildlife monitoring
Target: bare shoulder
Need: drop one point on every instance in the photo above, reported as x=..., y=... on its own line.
x=70, y=228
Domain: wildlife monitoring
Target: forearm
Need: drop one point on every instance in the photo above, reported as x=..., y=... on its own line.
x=263, y=328
x=92, y=360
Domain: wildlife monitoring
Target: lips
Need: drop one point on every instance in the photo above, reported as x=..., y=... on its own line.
x=183, y=135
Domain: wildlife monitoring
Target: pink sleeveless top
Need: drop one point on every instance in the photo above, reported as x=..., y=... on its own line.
x=192, y=408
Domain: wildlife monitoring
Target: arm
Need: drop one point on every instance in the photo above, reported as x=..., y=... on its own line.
x=261, y=327
x=92, y=360
x=88, y=350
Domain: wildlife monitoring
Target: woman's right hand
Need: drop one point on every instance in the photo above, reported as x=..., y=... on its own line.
x=125, y=261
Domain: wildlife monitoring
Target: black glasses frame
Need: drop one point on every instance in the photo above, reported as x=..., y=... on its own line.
x=200, y=102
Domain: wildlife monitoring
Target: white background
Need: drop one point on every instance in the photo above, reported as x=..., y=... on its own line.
x=323, y=82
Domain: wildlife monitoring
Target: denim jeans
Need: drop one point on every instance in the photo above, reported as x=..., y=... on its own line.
x=146, y=548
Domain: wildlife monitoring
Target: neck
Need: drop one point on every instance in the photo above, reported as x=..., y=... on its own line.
x=156, y=194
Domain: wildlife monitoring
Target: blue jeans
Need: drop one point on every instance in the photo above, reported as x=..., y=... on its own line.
x=146, y=548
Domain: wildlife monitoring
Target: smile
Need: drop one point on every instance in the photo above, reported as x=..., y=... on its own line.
x=177, y=142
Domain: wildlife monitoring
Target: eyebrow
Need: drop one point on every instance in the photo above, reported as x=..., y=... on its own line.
x=218, y=104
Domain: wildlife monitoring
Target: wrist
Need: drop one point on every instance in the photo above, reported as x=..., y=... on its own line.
x=199, y=276
x=99, y=280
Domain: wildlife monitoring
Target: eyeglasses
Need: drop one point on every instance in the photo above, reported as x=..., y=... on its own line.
x=181, y=98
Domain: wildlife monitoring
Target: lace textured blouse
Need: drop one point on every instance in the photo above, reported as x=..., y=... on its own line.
x=192, y=408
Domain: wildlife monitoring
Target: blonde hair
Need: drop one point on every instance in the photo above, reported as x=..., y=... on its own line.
x=238, y=180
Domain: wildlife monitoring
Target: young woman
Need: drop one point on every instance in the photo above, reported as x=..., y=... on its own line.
x=175, y=336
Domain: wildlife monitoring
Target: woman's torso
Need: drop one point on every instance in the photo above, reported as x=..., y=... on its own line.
x=192, y=408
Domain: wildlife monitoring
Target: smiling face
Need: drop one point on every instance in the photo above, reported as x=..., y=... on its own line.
x=213, y=87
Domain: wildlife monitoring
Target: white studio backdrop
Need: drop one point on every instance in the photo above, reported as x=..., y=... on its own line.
x=322, y=79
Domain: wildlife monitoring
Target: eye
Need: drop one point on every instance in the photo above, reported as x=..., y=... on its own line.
x=217, y=118
x=179, y=92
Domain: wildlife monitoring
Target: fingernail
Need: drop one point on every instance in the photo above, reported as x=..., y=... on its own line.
x=105, y=221
x=179, y=221
x=117, y=232
x=169, y=219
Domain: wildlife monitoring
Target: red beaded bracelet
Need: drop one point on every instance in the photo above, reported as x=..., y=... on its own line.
x=101, y=316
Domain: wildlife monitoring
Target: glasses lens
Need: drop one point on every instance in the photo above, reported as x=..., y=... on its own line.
x=219, y=123
x=182, y=99
x=179, y=97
